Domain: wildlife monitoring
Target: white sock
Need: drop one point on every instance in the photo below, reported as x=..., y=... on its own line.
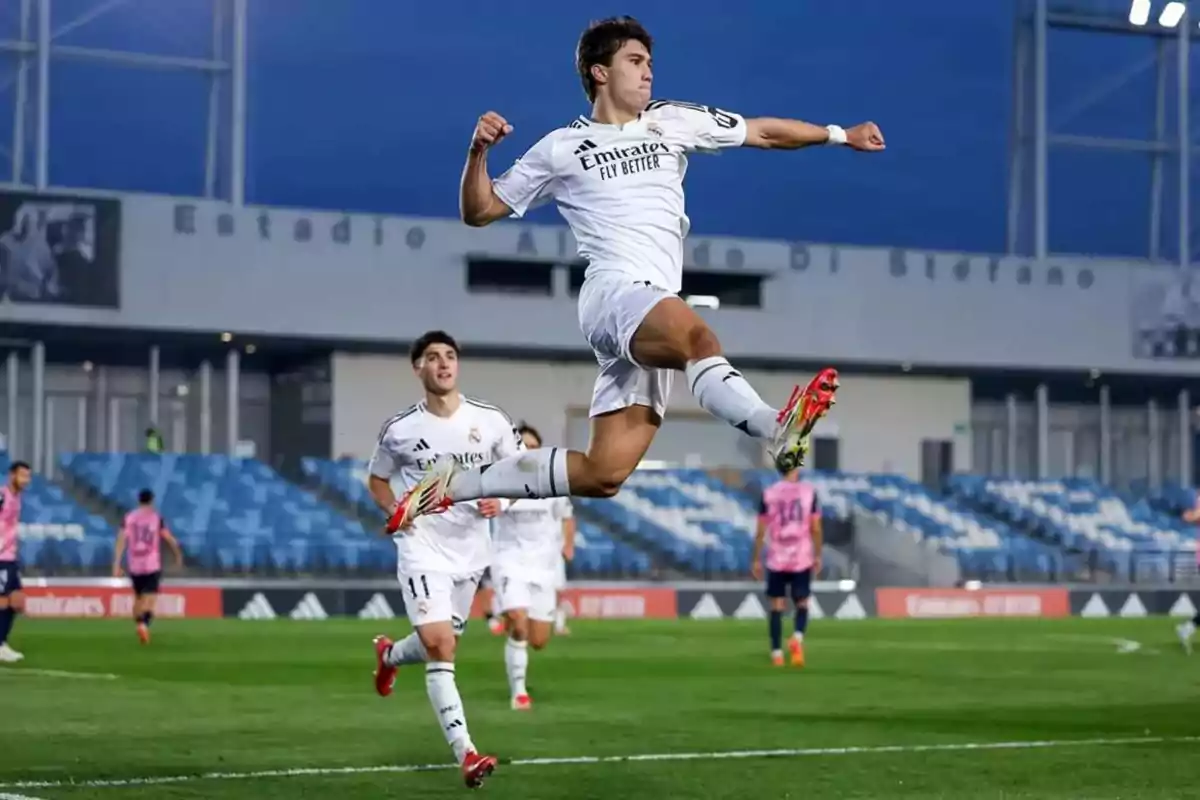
x=798, y=636
x=447, y=705
x=560, y=619
x=533, y=473
x=408, y=650
x=1188, y=628
x=723, y=392
x=516, y=663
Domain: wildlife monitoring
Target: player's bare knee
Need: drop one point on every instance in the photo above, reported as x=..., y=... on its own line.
x=802, y=602
x=778, y=603
x=702, y=343
x=17, y=602
x=538, y=639
x=518, y=628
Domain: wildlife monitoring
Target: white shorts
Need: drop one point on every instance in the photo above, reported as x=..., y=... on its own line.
x=437, y=597
x=611, y=307
x=536, y=597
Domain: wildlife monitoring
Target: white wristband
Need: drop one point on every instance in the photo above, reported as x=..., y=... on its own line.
x=837, y=135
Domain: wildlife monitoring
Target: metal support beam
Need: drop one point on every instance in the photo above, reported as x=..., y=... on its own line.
x=1105, y=434
x=12, y=387
x=38, y=362
x=20, y=98
x=41, y=170
x=1184, y=421
x=212, y=137
x=1010, y=436
x=233, y=395
x=206, y=373
x=154, y=391
x=1042, y=396
x=1154, y=451
x=237, y=161
x=1185, y=141
x=1156, y=159
x=120, y=57
x=1041, y=225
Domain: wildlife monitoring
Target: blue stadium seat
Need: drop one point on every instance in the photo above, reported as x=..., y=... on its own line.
x=235, y=515
x=57, y=534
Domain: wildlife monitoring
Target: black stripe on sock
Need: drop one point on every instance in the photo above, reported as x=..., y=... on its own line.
x=553, y=488
x=429, y=670
x=708, y=369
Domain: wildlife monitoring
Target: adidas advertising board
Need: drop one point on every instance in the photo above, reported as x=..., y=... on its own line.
x=272, y=603
x=753, y=604
x=1134, y=603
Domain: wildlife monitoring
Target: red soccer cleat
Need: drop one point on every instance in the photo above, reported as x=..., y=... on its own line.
x=427, y=497
x=799, y=416
x=522, y=702
x=477, y=768
x=385, y=673
x=143, y=632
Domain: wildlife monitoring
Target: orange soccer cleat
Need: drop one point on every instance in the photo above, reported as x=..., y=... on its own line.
x=427, y=497
x=799, y=416
x=796, y=650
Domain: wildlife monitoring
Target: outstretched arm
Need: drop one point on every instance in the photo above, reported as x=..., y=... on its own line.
x=772, y=133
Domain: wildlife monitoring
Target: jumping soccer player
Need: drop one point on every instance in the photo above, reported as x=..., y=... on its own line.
x=12, y=599
x=528, y=543
x=790, y=517
x=618, y=179
x=441, y=558
x=144, y=531
x=1187, y=630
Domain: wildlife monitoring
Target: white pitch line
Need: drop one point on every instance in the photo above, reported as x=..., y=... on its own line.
x=569, y=760
x=7, y=796
x=58, y=673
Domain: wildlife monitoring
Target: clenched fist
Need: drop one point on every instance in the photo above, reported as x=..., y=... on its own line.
x=865, y=137
x=490, y=129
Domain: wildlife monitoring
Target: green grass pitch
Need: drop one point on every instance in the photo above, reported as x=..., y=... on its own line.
x=885, y=709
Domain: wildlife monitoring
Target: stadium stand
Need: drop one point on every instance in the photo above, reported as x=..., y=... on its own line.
x=235, y=515
x=597, y=554
x=1118, y=535
x=692, y=520
x=65, y=537
x=984, y=547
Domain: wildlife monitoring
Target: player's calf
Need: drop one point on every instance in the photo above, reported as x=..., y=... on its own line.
x=516, y=657
x=10, y=606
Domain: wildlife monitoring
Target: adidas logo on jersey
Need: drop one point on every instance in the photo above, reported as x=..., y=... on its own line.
x=309, y=608
x=588, y=144
x=257, y=607
x=377, y=608
x=421, y=446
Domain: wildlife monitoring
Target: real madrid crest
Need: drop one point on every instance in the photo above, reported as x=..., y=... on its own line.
x=474, y=435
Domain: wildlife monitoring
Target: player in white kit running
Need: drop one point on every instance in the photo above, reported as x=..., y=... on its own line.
x=529, y=542
x=441, y=558
x=617, y=177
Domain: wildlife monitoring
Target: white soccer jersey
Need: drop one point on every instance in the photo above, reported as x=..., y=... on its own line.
x=620, y=187
x=455, y=542
x=528, y=539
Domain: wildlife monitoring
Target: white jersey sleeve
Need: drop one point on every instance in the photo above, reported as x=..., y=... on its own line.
x=531, y=180
x=383, y=460
x=707, y=128
x=562, y=508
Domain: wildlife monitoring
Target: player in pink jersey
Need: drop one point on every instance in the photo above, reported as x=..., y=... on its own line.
x=12, y=599
x=789, y=522
x=1186, y=630
x=144, y=531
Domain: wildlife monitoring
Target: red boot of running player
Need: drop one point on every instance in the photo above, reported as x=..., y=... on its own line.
x=477, y=768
